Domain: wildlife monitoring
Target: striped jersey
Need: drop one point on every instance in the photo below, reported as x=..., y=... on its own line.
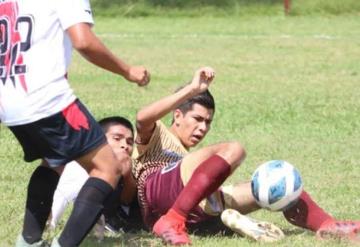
x=35, y=52
x=162, y=149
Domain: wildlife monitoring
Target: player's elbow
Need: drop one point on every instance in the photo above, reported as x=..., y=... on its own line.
x=81, y=36
x=82, y=45
x=141, y=119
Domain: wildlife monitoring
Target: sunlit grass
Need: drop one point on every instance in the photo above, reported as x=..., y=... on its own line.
x=287, y=88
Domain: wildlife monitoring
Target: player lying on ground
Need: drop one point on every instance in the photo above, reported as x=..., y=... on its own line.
x=176, y=187
x=46, y=117
x=120, y=136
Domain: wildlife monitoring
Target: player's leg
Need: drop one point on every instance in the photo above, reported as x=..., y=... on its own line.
x=40, y=189
x=240, y=197
x=306, y=213
x=72, y=179
x=39, y=199
x=104, y=170
x=238, y=200
x=113, y=222
x=58, y=207
x=202, y=173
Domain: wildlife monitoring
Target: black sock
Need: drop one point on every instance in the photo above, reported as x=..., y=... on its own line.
x=40, y=194
x=86, y=211
x=113, y=201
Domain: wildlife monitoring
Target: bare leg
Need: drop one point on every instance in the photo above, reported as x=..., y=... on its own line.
x=232, y=152
x=240, y=198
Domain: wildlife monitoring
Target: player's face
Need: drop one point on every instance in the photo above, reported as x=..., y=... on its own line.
x=120, y=139
x=193, y=126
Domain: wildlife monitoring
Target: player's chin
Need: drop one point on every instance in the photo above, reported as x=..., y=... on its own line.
x=194, y=141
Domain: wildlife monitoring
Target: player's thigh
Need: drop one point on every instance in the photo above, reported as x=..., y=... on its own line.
x=102, y=163
x=231, y=152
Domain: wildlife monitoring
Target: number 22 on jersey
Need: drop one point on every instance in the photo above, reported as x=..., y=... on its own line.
x=15, y=39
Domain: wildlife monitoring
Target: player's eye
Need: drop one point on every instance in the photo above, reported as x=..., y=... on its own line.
x=116, y=138
x=198, y=118
x=130, y=142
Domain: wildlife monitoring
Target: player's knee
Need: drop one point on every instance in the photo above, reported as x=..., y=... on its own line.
x=235, y=152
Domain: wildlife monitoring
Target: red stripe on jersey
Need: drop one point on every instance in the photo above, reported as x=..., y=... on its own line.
x=75, y=117
x=9, y=15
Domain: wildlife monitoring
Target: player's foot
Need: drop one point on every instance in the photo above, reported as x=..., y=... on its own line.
x=20, y=242
x=349, y=230
x=171, y=231
x=251, y=228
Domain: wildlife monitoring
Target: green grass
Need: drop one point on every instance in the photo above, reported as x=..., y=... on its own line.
x=287, y=88
x=200, y=8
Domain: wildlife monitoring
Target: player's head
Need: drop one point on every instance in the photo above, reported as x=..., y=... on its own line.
x=192, y=119
x=119, y=133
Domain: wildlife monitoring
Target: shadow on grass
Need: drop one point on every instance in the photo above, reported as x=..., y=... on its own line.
x=294, y=231
x=129, y=239
x=142, y=238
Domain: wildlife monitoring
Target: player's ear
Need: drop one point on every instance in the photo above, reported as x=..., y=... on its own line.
x=177, y=116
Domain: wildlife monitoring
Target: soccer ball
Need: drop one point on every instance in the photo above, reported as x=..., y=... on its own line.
x=276, y=185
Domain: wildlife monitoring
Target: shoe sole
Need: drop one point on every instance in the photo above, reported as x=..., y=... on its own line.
x=257, y=230
x=331, y=235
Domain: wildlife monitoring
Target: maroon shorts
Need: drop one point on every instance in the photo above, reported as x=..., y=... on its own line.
x=161, y=190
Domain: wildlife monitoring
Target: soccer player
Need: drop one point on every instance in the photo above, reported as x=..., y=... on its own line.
x=176, y=187
x=42, y=111
x=120, y=136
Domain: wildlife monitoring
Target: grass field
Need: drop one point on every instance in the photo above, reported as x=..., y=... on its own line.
x=287, y=88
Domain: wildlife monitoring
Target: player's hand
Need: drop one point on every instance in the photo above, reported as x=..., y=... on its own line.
x=202, y=79
x=139, y=75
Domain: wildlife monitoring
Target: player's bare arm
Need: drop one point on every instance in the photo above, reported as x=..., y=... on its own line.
x=147, y=116
x=92, y=49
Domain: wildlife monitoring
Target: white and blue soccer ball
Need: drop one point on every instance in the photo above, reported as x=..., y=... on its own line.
x=276, y=185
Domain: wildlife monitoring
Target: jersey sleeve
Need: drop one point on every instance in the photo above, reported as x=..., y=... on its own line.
x=71, y=12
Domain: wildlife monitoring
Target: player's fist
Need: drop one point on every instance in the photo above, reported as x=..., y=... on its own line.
x=202, y=78
x=139, y=75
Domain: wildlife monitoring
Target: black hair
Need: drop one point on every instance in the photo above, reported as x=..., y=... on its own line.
x=204, y=99
x=105, y=123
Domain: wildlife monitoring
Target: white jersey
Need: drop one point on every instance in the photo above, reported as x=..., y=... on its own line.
x=35, y=52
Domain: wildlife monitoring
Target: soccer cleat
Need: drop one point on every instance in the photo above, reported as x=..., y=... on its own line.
x=111, y=229
x=331, y=229
x=171, y=231
x=20, y=242
x=257, y=230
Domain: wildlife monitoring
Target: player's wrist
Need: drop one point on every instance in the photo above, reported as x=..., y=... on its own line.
x=191, y=90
